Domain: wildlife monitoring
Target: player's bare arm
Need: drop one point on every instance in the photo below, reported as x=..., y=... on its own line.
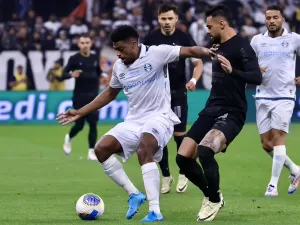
x=108, y=95
x=198, y=70
x=196, y=52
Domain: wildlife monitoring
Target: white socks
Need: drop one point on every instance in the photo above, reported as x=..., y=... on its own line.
x=278, y=162
x=114, y=169
x=151, y=179
x=289, y=164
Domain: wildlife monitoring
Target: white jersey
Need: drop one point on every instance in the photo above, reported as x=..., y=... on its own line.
x=279, y=56
x=146, y=82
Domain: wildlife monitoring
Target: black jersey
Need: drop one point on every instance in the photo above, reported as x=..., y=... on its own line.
x=228, y=90
x=87, y=84
x=176, y=69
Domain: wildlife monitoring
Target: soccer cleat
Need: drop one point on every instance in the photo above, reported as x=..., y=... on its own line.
x=222, y=199
x=67, y=145
x=166, y=184
x=134, y=203
x=182, y=184
x=153, y=217
x=209, y=210
x=91, y=155
x=271, y=191
x=294, y=183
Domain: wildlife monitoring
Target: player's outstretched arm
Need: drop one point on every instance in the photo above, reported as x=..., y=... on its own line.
x=196, y=52
x=108, y=95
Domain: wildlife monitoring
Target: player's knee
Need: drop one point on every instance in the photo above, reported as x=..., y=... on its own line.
x=267, y=145
x=103, y=150
x=147, y=150
x=278, y=137
x=205, y=154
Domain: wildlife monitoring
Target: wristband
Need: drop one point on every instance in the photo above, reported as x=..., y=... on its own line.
x=194, y=81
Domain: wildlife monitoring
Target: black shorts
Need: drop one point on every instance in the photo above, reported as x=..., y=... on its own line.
x=82, y=101
x=179, y=106
x=230, y=124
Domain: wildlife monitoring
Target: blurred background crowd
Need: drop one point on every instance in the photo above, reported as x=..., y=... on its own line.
x=32, y=25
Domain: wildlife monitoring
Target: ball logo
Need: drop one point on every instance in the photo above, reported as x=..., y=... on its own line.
x=147, y=67
x=91, y=200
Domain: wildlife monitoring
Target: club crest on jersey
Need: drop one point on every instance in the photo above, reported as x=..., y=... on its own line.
x=147, y=67
x=285, y=44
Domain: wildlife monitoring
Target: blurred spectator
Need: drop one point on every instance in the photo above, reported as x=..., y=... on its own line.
x=121, y=19
x=53, y=76
x=198, y=32
x=14, y=22
x=49, y=42
x=78, y=28
x=36, y=43
x=9, y=40
x=106, y=21
x=62, y=43
x=52, y=24
x=64, y=27
x=19, y=81
x=136, y=17
x=248, y=29
x=23, y=42
x=39, y=26
x=31, y=18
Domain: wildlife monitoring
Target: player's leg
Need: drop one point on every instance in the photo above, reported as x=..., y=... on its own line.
x=181, y=110
x=156, y=133
x=167, y=179
x=92, y=120
x=122, y=141
x=223, y=132
x=281, y=117
x=76, y=128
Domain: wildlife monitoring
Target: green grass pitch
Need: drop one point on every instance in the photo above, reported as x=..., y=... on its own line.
x=39, y=185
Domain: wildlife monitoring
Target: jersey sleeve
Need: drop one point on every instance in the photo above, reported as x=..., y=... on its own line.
x=167, y=53
x=251, y=73
x=114, y=81
x=253, y=44
x=297, y=41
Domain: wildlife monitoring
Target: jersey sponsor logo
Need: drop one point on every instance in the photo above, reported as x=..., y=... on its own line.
x=285, y=44
x=122, y=76
x=146, y=81
x=148, y=67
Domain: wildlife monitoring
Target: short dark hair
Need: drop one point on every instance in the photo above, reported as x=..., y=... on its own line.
x=123, y=32
x=166, y=8
x=220, y=10
x=276, y=8
x=84, y=36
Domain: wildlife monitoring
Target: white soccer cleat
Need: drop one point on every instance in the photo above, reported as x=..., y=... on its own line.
x=182, y=184
x=294, y=183
x=271, y=191
x=166, y=184
x=222, y=199
x=209, y=210
x=91, y=155
x=67, y=145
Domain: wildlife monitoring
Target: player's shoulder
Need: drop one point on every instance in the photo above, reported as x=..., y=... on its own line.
x=293, y=34
x=154, y=33
x=118, y=65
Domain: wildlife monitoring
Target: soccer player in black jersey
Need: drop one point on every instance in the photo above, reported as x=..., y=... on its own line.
x=168, y=34
x=84, y=67
x=224, y=115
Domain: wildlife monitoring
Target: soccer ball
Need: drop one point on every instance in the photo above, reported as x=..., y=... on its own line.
x=89, y=207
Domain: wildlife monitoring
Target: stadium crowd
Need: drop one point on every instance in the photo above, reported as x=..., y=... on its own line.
x=34, y=32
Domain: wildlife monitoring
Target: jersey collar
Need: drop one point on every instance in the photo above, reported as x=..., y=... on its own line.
x=285, y=32
x=143, y=51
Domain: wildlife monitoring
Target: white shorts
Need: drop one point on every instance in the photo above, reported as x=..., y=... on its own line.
x=274, y=115
x=129, y=134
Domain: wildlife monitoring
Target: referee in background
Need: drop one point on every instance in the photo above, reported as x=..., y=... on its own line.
x=84, y=67
x=168, y=34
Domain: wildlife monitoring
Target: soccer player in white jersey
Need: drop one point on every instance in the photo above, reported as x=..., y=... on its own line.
x=275, y=97
x=141, y=72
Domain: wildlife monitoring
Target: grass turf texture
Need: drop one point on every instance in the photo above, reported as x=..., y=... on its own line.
x=40, y=185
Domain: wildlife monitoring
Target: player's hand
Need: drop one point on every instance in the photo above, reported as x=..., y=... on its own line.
x=191, y=86
x=263, y=69
x=297, y=79
x=226, y=65
x=76, y=73
x=67, y=117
